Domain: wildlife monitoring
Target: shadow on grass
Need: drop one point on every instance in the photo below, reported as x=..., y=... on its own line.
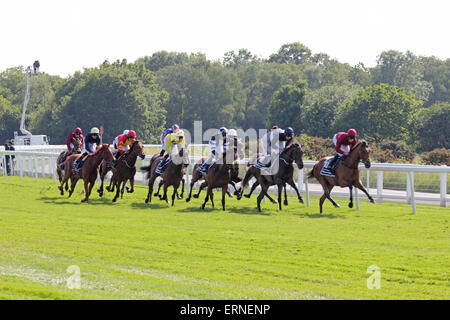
x=62, y=200
x=142, y=205
x=320, y=216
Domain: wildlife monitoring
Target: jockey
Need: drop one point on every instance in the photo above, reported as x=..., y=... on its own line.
x=170, y=130
x=116, y=142
x=90, y=143
x=217, y=148
x=275, y=140
x=344, y=142
x=77, y=133
x=124, y=141
x=172, y=141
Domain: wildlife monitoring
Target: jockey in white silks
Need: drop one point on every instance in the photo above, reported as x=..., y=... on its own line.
x=218, y=144
x=272, y=144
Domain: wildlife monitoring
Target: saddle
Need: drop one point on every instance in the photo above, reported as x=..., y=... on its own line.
x=329, y=167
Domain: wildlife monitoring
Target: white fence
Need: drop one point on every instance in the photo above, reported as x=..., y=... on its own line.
x=43, y=163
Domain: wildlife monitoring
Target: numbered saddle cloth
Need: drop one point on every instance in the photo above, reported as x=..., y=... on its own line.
x=326, y=169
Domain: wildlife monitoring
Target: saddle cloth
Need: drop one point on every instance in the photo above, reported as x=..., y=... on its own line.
x=326, y=169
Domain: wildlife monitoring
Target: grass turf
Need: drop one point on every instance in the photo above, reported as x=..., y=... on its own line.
x=131, y=250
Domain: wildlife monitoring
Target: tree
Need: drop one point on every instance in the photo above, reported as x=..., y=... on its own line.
x=118, y=96
x=286, y=106
x=231, y=59
x=9, y=118
x=162, y=59
x=295, y=53
x=322, y=107
x=433, y=130
x=380, y=112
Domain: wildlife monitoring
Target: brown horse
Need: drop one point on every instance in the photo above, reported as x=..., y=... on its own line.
x=219, y=176
x=77, y=145
x=172, y=175
x=284, y=175
x=125, y=168
x=88, y=172
x=197, y=176
x=347, y=173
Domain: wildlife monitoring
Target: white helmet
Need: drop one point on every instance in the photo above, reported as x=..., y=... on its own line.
x=125, y=131
x=232, y=133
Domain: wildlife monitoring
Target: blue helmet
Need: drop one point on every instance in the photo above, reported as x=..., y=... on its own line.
x=223, y=131
x=289, y=131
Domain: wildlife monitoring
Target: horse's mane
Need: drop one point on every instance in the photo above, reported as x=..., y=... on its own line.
x=359, y=142
x=100, y=147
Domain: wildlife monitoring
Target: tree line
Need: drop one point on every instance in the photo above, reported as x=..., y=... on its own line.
x=405, y=97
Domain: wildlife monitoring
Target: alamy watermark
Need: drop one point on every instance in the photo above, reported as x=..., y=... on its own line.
x=74, y=280
x=374, y=280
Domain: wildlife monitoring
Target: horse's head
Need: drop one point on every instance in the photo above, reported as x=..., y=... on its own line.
x=77, y=145
x=106, y=154
x=364, y=153
x=137, y=149
x=294, y=152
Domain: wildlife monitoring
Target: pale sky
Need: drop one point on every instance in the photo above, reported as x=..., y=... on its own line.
x=68, y=35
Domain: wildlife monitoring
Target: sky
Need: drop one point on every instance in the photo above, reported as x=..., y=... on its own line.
x=69, y=35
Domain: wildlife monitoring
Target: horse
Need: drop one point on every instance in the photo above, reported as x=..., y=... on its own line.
x=196, y=176
x=219, y=176
x=77, y=145
x=284, y=175
x=347, y=173
x=88, y=172
x=125, y=168
x=172, y=175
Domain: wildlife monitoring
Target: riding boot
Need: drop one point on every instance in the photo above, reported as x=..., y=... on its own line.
x=78, y=163
x=161, y=164
x=162, y=153
x=334, y=162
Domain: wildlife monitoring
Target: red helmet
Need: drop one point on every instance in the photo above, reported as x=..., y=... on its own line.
x=351, y=132
x=275, y=127
x=132, y=134
x=78, y=130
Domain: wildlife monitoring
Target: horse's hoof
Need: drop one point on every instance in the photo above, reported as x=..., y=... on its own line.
x=156, y=195
x=285, y=202
x=146, y=200
x=67, y=188
x=130, y=191
x=202, y=207
x=188, y=199
x=114, y=200
x=300, y=200
x=371, y=200
x=84, y=200
x=337, y=205
x=247, y=195
x=195, y=196
x=100, y=194
x=350, y=205
x=107, y=189
x=274, y=201
x=179, y=197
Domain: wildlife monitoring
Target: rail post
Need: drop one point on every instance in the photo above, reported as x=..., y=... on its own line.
x=408, y=188
x=411, y=182
x=379, y=186
x=443, y=188
x=307, y=191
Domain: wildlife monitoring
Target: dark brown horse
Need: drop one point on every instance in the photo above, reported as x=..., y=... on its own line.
x=219, y=176
x=284, y=175
x=172, y=175
x=347, y=173
x=77, y=145
x=88, y=172
x=125, y=168
x=197, y=176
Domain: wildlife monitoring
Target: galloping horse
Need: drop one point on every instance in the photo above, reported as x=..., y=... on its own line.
x=347, y=173
x=284, y=175
x=196, y=176
x=172, y=175
x=89, y=170
x=77, y=145
x=219, y=176
x=125, y=168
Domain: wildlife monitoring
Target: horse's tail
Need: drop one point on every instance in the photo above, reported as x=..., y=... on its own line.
x=311, y=173
x=146, y=170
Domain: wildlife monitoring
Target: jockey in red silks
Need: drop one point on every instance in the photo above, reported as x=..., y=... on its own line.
x=76, y=134
x=344, y=142
x=125, y=140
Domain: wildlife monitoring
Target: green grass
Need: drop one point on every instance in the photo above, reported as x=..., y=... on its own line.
x=130, y=250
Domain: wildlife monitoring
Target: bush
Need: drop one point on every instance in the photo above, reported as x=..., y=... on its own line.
x=392, y=151
x=315, y=148
x=437, y=157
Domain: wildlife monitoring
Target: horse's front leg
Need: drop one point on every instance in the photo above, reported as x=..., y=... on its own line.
x=175, y=193
x=209, y=190
x=224, y=192
x=294, y=186
x=117, y=185
x=360, y=186
x=254, y=185
x=150, y=191
x=179, y=197
x=164, y=197
x=131, y=185
x=161, y=182
x=86, y=191
x=280, y=190
x=123, y=189
x=350, y=204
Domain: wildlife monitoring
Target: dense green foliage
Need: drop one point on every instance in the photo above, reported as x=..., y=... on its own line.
x=400, y=99
x=131, y=250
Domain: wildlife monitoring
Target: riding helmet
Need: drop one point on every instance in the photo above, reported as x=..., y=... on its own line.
x=78, y=130
x=125, y=131
x=223, y=131
x=132, y=134
x=289, y=131
x=175, y=128
x=351, y=132
x=95, y=130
